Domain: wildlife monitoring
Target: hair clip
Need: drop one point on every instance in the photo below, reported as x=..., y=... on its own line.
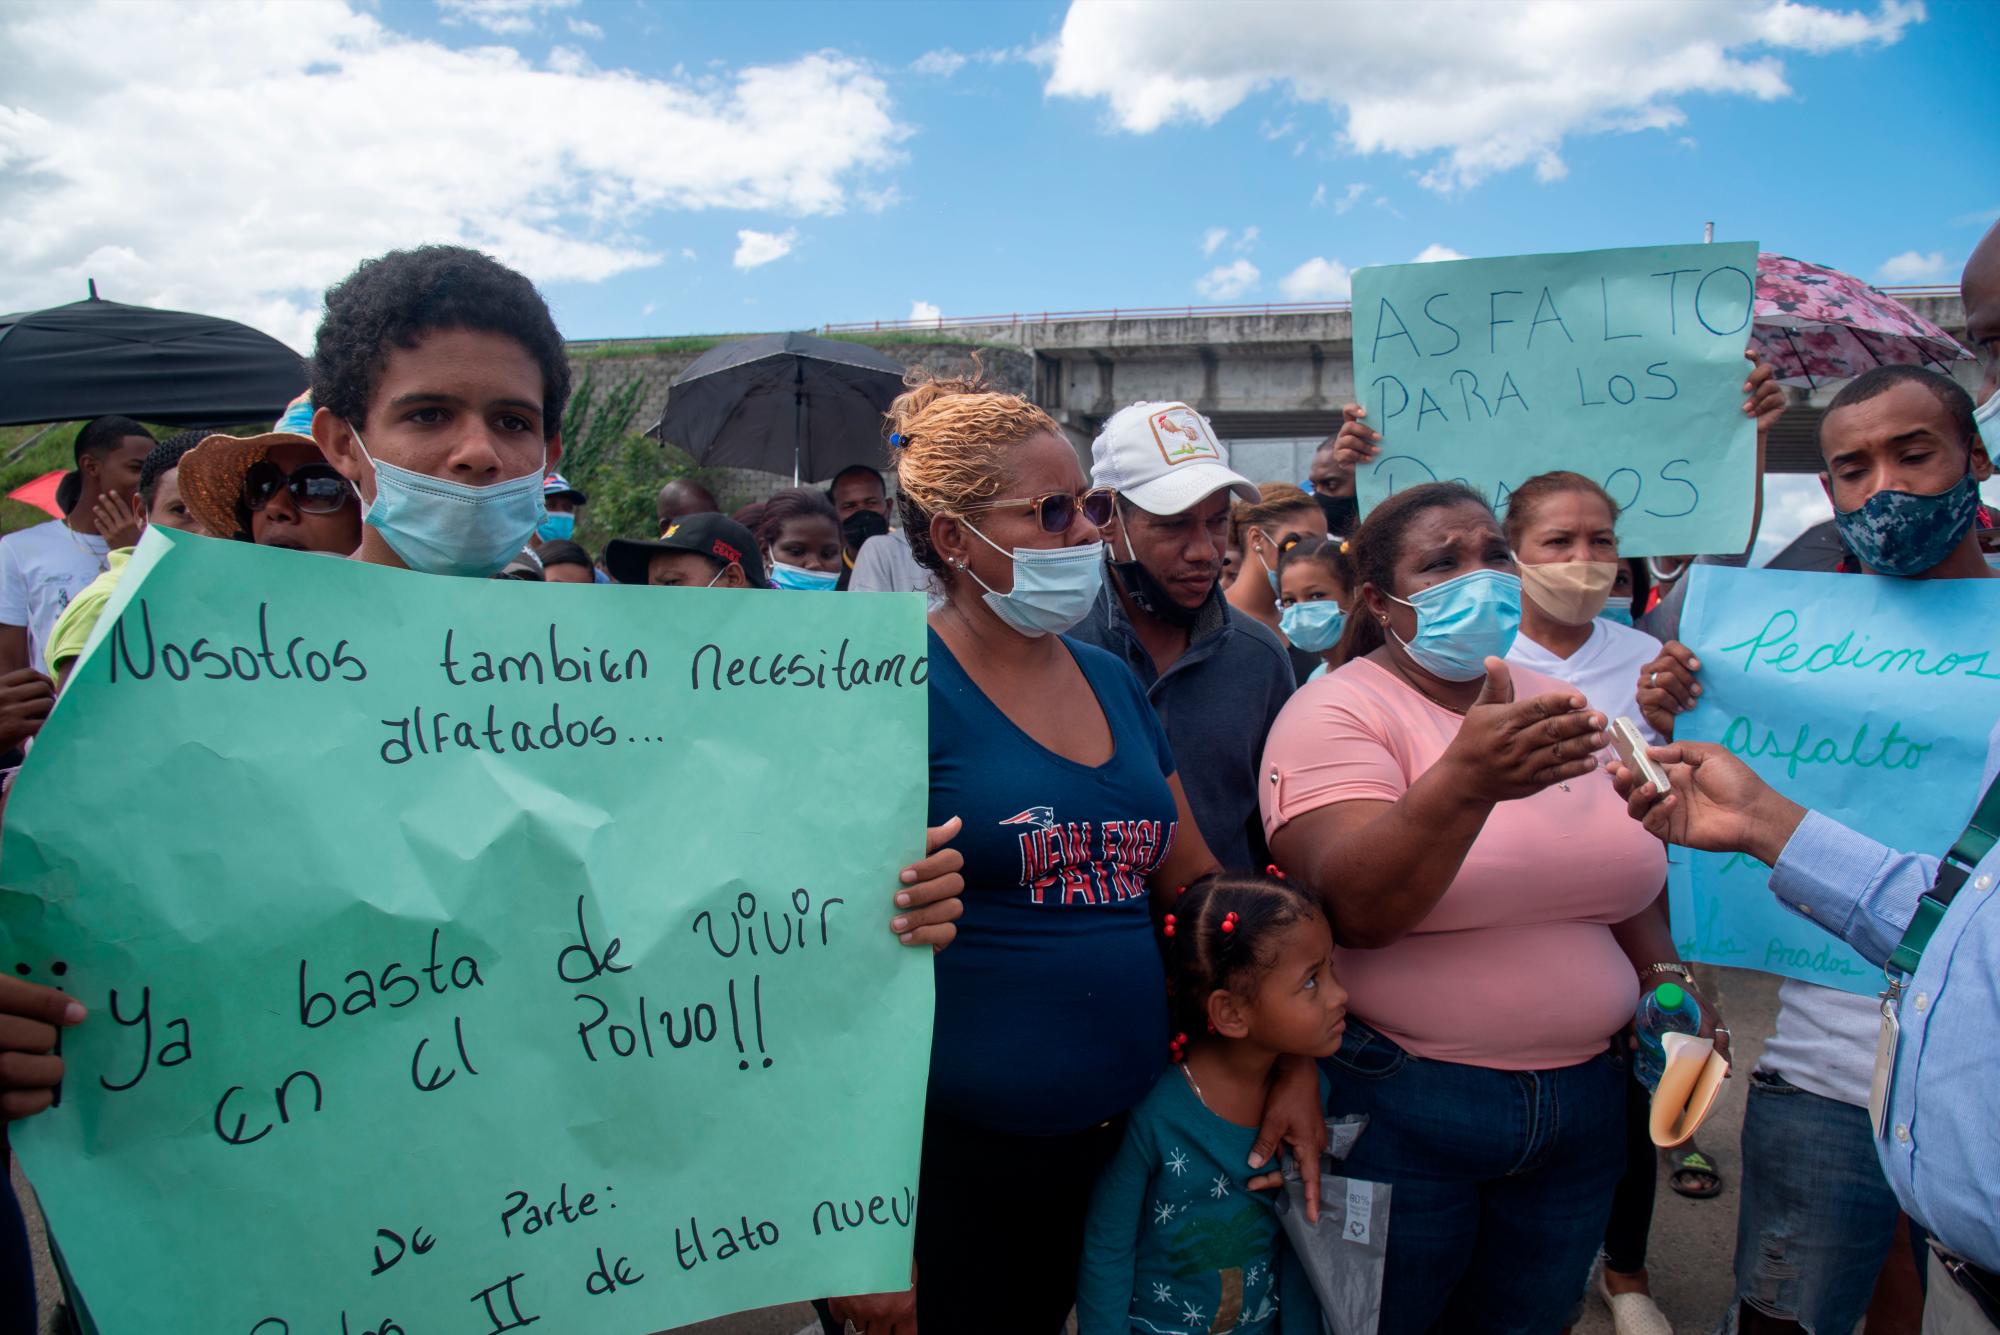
x=1344, y=547
x=897, y=440
x=1229, y=922
x=1169, y=928
x=1273, y=869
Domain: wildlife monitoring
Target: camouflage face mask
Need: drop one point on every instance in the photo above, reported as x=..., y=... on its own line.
x=1902, y=533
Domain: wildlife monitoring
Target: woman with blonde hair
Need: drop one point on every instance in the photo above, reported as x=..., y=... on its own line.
x=1283, y=516
x=1051, y=1017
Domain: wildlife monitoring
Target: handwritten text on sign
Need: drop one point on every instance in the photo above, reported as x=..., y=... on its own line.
x=466, y=955
x=1863, y=697
x=1623, y=365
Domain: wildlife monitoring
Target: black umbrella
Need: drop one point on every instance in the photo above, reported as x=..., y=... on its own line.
x=1818, y=548
x=95, y=357
x=783, y=403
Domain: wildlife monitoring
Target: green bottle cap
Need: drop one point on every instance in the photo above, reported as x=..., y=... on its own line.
x=1670, y=996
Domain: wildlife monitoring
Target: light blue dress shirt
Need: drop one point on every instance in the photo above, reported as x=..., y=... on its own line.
x=1941, y=1143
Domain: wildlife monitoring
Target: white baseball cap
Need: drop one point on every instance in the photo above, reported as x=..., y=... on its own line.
x=1164, y=458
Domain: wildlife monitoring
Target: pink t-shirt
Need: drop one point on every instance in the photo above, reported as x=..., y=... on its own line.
x=1515, y=968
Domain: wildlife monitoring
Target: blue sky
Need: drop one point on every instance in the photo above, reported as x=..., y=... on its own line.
x=1009, y=199
x=665, y=168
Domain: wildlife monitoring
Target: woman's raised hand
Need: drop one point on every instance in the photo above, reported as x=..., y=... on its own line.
x=1510, y=748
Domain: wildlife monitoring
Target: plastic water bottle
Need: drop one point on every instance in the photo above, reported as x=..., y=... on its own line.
x=1667, y=1009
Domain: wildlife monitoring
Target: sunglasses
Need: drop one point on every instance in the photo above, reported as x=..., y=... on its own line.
x=1057, y=511
x=316, y=488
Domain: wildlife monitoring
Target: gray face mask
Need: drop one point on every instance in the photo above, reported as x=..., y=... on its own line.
x=449, y=528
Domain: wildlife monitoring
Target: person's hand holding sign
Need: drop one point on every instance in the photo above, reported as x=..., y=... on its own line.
x=30, y=1016
x=1356, y=442
x=929, y=900
x=1668, y=686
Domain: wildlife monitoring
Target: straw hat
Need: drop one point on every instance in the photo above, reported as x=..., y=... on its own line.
x=211, y=474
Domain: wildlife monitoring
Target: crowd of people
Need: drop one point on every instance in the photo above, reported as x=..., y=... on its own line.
x=1247, y=812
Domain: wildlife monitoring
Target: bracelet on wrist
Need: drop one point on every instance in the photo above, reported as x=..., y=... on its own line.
x=1648, y=975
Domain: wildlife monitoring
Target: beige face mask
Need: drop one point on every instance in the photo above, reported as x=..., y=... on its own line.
x=1573, y=592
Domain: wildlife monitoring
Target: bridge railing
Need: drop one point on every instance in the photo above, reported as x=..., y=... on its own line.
x=1073, y=317
x=944, y=322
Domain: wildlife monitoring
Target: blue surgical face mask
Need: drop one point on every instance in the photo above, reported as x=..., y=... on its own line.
x=1902, y=533
x=556, y=526
x=449, y=528
x=1987, y=417
x=1618, y=612
x=800, y=579
x=1313, y=627
x=1054, y=587
x=1463, y=622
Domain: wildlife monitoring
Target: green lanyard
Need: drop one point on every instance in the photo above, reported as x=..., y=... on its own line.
x=1978, y=840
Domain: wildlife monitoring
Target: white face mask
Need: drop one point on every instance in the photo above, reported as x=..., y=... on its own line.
x=1054, y=587
x=450, y=528
x=1987, y=417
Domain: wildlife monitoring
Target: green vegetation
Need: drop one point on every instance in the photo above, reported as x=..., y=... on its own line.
x=618, y=468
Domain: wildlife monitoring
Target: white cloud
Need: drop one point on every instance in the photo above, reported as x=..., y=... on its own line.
x=508, y=18
x=1469, y=89
x=754, y=249
x=1912, y=267
x=1434, y=252
x=555, y=173
x=1318, y=279
x=1793, y=503
x=923, y=310
x=585, y=28
x=1319, y=196
x=1228, y=282
x=1212, y=239
x=1351, y=196
x=943, y=62
x=1246, y=240
x=648, y=309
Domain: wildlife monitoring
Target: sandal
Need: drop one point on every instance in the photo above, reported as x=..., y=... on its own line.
x=1689, y=1165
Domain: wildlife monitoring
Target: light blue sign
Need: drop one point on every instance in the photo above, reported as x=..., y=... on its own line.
x=1866, y=698
x=1623, y=365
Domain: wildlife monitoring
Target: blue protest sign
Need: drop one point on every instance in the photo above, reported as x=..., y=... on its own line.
x=1623, y=365
x=1866, y=698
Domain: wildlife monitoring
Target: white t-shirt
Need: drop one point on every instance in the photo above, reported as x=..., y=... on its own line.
x=885, y=564
x=1825, y=1041
x=41, y=569
x=1605, y=669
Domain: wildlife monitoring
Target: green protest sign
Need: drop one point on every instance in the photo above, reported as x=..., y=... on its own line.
x=1623, y=365
x=466, y=955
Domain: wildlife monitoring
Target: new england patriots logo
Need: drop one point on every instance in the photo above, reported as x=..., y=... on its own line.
x=1042, y=818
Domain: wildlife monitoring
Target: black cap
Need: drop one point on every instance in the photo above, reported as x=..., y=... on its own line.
x=718, y=537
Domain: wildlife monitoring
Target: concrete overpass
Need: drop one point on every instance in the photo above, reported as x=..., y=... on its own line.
x=1272, y=378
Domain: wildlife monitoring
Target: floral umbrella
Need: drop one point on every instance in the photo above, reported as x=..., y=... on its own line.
x=1814, y=323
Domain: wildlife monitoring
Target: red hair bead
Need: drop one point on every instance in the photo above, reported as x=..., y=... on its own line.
x=1273, y=870
x=1229, y=922
x=1170, y=925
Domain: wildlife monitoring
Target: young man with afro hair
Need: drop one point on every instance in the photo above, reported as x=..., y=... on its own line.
x=439, y=382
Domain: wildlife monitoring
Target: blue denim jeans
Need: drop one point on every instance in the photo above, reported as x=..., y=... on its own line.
x=1503, y=1182
x=1817, y=1217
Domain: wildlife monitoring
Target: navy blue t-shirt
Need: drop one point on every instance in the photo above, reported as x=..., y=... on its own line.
x=1051, y=1003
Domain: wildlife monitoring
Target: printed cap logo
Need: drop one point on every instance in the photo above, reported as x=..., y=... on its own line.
x=1182, y=435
